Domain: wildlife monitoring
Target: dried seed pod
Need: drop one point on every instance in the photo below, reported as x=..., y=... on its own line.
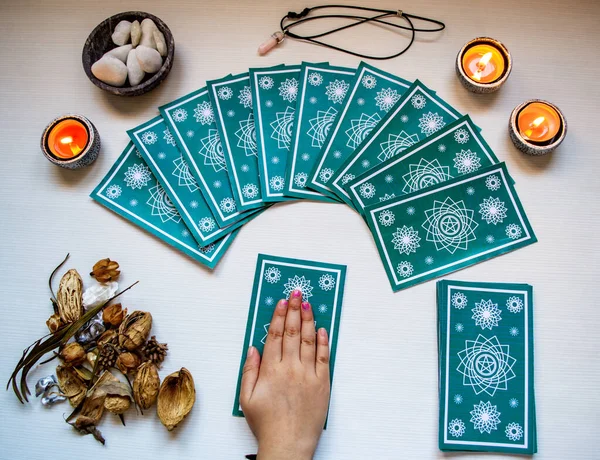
x=91, y=358
x=118, y=394
x=134, y=330
x=71, y=384
x=176, y=398
x=72, y=353
x=68, y=297
x=54, y=323
x=114, y=314
x=110, y=336
x=146, y=385
x=128, y=362
x=155, y=351
x=105, y=270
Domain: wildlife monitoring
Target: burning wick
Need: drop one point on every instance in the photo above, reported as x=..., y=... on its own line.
x=75, y=149
x=534, y=124
x=483, y=62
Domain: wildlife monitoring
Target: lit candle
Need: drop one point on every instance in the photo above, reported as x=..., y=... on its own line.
x=483, y=65
x=537, y=127
x=70, y=141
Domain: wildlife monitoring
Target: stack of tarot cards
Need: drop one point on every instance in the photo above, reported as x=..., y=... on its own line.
x=487, y=400
x=434, y=194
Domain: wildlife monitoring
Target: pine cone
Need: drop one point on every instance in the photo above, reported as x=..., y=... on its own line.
x=105, y=270
x=155, y=351
x=108, y=356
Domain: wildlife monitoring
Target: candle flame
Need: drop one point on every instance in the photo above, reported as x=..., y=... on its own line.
x=534, y=124
x=66, y=140
x=485, y=59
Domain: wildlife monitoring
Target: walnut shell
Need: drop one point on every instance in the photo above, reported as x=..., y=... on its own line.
x=68, y=297
x=134, y=330
x=146, y=385
x=176, y=398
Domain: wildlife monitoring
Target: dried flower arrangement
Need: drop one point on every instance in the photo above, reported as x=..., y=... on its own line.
x=94, y=339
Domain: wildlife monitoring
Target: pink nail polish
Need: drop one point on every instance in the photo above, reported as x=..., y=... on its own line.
x=305, y=306
x=297, y=293
x=284, y=304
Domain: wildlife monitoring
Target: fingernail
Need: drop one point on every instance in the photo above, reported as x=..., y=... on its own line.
x=297, y=293
x=283, y=304
x=322, y=332
x=251, y=351
x=305, y=306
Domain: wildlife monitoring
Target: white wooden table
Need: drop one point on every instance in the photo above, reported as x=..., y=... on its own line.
x=384, y=403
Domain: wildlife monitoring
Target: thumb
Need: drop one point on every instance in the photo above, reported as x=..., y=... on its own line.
x=249, y=375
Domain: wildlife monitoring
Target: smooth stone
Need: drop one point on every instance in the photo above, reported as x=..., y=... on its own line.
x=148, y=27
x=149, y=59
x=122, y=33
x=161, y=44
x=110, y=70
x=134, y=71
x=120, y=53
x=136, y=33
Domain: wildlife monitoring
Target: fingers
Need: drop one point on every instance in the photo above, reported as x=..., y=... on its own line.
x=322, y=364
x=308, y=336
x=272, y=350
x=291, y=335
x=249, y=375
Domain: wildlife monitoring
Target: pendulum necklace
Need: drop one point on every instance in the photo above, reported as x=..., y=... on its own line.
x=293, y=19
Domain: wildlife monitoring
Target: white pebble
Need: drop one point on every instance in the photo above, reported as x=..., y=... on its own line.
x=149, y=59
x=122, y=33
x=134, y=71
x=161, y=44
x=136, y=33
x=120, y=53
x=110, y=70
x=148, y=27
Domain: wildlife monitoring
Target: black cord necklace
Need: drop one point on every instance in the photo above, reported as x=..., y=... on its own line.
x=292, y=19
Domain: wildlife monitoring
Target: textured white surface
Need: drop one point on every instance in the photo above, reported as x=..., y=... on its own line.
x=384, y=403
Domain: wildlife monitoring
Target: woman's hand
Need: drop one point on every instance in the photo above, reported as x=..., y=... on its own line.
x=285, y=397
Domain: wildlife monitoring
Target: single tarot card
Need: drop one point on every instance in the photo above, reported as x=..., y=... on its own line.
x=231, y=98
x=455, y=150
x=173, y=173
x=191, y=119
x=323, y=90
x=274, y=91
x=486, y=363
x=449, y=226
x=321, y=284
x=131, y=190
x=374, y=92
x=418, y=114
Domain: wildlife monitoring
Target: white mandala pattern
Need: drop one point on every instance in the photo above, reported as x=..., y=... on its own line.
x=204, y=114
x=326, y=282
x=275, y=160
x=227, y=205
x=360, y=129
x=247, y=136
x=207, y=249
x=211, y=150
x=269, y=103
x=190, y=133
x=470, y=191
x=386, y=98
x=514, y=331
x=231, y=113
x=347, y=178
x=367, y=190
x=456, y=428
x=288, y=89
x=490, y=239
x=418, y=101
x=336, y=91
x=269, y=301
x=282, y=127
x=410, y=210
x=133, y=202
x=425, y=174
x=113, y=191
x=386, y=218
x=180, y=115
x=194, y=204
x=461, y=136
x=387, y=196
x=277, y=183
x=225, y=93
x=405, y=269
x=217, y=184
x=369, y=81
x=300, y=180
x=265, y=82
x=395, y=144
x=514, y=304
x=137, y=176
x=320, y=125
x=337, y=154
x=513, y=431
x=458, y=399
x=325, y=175
x=207, y=224
x=272, y=275
x=429, y=260
x=389, y=178
x=245, y=168
x=365, y=163
x=315, y=78
x=493, y=182
x=513, y=231
x=305, y=156
x=486, y=365
x=250, y=191
x=162, y=206
x=450, y=225
x=149, y=137
x=404, y=118
x=161, y=155
x=459, y=300
x=266, y=328
x=360, y=101
x=298, y=283
x=441, y=148
x=485, y=417
x=492, y=210
x=514, y=403
x=466, y=162
x=486, y=314
x=459, y=327
x=183, y=175
x=430, y=123
x=245, y=97
x=406, y=240
x=313, y=100
x=322, y=308
x=169, y=137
